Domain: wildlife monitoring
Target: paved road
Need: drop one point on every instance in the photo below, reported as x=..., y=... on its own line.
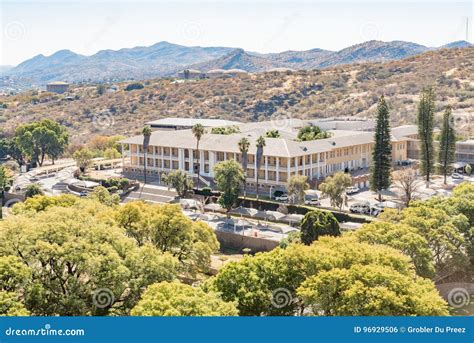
x=151, y=193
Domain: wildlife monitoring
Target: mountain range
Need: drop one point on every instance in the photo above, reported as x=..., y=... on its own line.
x=166, y=59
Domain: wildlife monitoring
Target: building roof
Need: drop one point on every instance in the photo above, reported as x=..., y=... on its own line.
x=58, y=83
x=172, y=122
x=285, y=146
x=404, y=130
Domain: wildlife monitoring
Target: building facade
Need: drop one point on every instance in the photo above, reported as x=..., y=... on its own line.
x=283, y=157
x=57, y=87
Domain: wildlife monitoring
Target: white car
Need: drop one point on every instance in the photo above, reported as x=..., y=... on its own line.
x=360, y=207
x=283, y=197
x=313, y=202
x=352, y=190
x=457, y=176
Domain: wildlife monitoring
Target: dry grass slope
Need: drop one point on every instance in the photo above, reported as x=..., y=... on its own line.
x=348, y=90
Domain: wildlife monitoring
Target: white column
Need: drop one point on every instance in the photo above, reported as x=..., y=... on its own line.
x=255, y=166
x=304, y=165
x=288, y=168
x=162, y=158
x=201, y=161
x=318, y=157
x=277, y=168
x=181, y=158
x=212, y=162
x=191, y=161
x=266, y=168
x=311, y=166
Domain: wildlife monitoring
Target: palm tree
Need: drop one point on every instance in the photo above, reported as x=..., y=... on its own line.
x=244, y=146
x=258, y=156
x=198, y=132
x=146, y=132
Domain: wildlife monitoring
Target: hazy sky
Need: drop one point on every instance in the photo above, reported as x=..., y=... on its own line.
x=35, y=27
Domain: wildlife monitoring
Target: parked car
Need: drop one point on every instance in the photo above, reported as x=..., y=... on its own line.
x=278, y=193
x=457, y=176
x=83, y=194
x=360, y=207
x=312, y=202
x=375, y=210
x=352, y=190
x=283, y=197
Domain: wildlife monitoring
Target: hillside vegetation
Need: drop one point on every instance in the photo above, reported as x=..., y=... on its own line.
x=348, y=90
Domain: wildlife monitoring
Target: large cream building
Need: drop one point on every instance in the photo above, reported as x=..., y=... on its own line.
x=346, y=150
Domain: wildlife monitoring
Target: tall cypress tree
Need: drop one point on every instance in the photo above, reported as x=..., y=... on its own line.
x=447, y=144
x=426, y=109
x=382, y=153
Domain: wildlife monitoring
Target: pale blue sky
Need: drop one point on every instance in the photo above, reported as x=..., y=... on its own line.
x=33, y=27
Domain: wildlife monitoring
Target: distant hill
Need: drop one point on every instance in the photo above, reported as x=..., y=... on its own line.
x=371, y=51
x=341, y=90
x=458, y=44
x=166, y=59
x=136, y=63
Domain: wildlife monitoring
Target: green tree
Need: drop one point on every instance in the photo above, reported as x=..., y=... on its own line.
x=260, y=144
x=81, y=267
x=11, y=305
x=39, y=139
x=447, y=144
x=267, y=283
x=426, y=109
x=111, y=154
x=244, y=146
x=297, y=185
x=33, y=189
x=272, y=134
x=404, y=238
x=100, y=89
x=382, y=153
x=83, y=158
x=178, y=299
x=468, y=169
x=6, y=179
x=334, y=187
x=229, y=178
x=146, y=132
x=134, y=85
x=311, y=133
x=198, y=131
x=169, y=230
x=102, y=195
x=180, y=181
x=9, y=147
x=370, y=290
x=316, y=224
